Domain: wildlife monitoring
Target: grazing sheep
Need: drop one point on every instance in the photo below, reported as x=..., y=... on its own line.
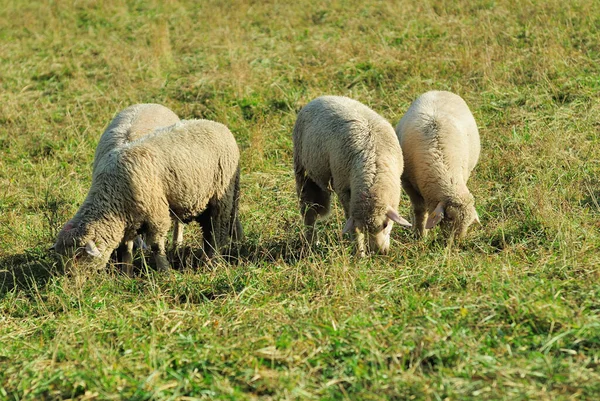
x=342, y=144
x=130, y=124
x=188, y=170
x=440, y=144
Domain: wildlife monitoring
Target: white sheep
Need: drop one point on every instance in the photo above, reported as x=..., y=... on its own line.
x=440, y=144
x=343, y=145
x=128, y=125
x=189, y=170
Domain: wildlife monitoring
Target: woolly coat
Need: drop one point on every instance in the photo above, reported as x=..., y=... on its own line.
x=133, y=123
x=341, y=144
x=189, y=170
x=440, y=144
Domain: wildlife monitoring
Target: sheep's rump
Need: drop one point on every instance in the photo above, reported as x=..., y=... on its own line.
x=439, y=140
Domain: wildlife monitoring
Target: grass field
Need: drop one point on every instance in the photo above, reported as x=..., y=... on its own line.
x=512, y=313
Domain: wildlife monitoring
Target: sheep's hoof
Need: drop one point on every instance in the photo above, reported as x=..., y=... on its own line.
x=162, y=264
x=421, y=233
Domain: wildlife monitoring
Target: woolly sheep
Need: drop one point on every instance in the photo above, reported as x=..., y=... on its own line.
x=342, y=144
x=189, y=170
x=440, y=144
x=128, y=125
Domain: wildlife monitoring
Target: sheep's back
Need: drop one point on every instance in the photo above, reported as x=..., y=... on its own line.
x=188, y=163
x=333, y=138
x=133, y=123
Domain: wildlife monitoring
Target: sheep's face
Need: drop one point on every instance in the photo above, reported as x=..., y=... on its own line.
x=74, y=245
x=378, y=235
x=67, y=241
x=377, y=229
x=458, y=218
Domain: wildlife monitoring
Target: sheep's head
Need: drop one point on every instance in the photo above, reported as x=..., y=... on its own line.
x=377, y=228
x=74, y=243
x=454, y=217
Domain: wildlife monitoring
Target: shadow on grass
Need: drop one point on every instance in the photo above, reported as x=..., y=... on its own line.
x=31, y=270
x=28, y=271
x=286, y=250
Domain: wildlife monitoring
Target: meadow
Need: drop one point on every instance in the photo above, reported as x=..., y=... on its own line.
x=511, y=313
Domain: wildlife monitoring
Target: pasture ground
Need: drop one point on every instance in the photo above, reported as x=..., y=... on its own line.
x=512, y=313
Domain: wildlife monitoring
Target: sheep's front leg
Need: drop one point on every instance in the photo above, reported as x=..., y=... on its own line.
x=128, y=258
x=125, y=256
x=345, y=197
x=419, y=209
x=160, y=254
x=157, y=234
x=420, y=212
x=177, y=234
x=360, y=243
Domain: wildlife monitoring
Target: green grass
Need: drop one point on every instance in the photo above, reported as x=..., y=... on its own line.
x=512, y=313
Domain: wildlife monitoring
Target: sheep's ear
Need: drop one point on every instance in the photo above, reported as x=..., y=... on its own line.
x=477, y=217
x=92, y=250
x=348, y=226
x=435, y=217
x=394, y=216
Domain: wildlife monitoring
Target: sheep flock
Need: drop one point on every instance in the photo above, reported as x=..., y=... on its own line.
x=152, y=171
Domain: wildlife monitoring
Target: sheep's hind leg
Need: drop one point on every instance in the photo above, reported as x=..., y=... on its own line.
x=314, y=202
x=125, y=256
x=223, y=222
x=345, y=197
x=206, y=221
x=236, y=230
